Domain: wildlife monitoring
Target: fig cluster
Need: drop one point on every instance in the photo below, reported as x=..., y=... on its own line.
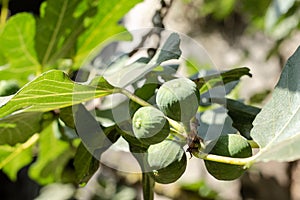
x=177, y=99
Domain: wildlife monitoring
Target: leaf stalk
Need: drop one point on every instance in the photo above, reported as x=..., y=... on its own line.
x=4, y=13
x=246, y=162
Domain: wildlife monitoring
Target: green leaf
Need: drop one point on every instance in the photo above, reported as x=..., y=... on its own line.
x=17, y=46
x=19, y=127
x=137, y=70
x=67, y=116
x=219, y=10
x=3, y=60
x=58, y=29
x=22, y=159
x=166, y=72
x=170, y=50
x=96, y=138
x=211, y=81
x=277, y=127
x=201, y=188
x=85, y=164
x=52, y=158
x=14, y=158
x=53, y=90
x=242, y=115
x=104, y=25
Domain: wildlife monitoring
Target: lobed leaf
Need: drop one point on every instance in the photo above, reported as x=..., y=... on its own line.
x=57, y=30
x=107, y=18
x=17, y=46
x=277, y=127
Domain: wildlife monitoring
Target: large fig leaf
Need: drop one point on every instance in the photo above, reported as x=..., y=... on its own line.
x=54, y=90
x=57, y=30
x=17, y=46
x=104, y=25
x=277, y=127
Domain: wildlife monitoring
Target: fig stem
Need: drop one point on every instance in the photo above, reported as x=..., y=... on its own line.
x=177, y=134
x=133, y=97
x=177, y=126
x=246, y=162
x=253, y=144
x=4, y=13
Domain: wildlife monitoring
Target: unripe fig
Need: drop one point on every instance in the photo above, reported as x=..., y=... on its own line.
x=150, y=125
x=178, y=99
x=8, y=88
x=167, y=161
x=231, y=145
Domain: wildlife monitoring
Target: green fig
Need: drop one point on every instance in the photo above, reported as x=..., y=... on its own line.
x=150, y=125
x=178, y=99
x=166, y=161
x=231, y=145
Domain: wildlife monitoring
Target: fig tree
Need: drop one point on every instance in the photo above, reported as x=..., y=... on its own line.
x=150, y=125
x=166, y=161
x=231, y=145
x=178, y=99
